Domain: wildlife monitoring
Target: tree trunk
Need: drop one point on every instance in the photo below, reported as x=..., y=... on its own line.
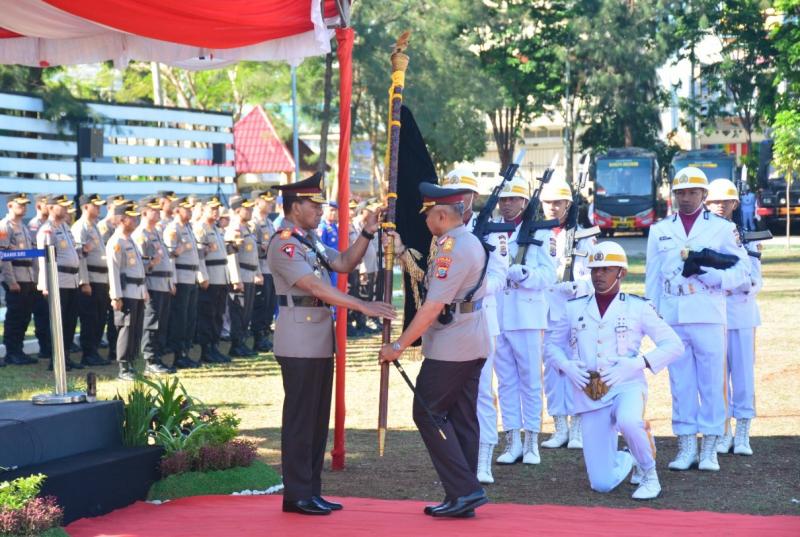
x=326, y=114
x=628, y=136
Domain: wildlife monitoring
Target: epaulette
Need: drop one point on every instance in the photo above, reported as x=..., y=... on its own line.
x=585, y=297
x=643, y=299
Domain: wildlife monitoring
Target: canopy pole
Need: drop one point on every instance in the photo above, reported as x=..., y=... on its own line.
x=344, y=51
x=295, y=134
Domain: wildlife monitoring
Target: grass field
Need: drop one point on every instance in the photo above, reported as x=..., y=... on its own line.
x=768, y=482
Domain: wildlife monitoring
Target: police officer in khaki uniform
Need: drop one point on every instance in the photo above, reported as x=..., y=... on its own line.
x=190, y=272
x=71, y=267
x=242, y=247
x=92, y=308
x=106, y=227
x=264, y=303
x=41, y=309
x=212, y=300
x=160, y=283
x=304, y=341
x=167, y=199
x=126, y=279
x=455, y=344
x=18, y=277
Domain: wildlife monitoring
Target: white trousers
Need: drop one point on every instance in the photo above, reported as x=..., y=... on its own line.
x=557, y=387
x=600, y=427
x=697, y=380
x=487, y=412
x=518, y=365
x=740, y=378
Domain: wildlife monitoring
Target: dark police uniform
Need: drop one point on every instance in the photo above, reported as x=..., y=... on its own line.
x=160, y=280
x=190, y=270
x=71, y=271
x=92, y=309
x=242, y=247
x=126, y=278
x=211, y=301
x=17, y=272
x=304, y=348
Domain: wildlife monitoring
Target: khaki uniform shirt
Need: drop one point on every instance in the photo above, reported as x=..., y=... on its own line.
x=88, y=235
x=454, y=270
x=161, y=276
x=242, y=247
x=15, y=236
x=264, y=230
x=213, y=252
x=183, y=248
x=126, y=276
x=106, y=228
x=300, y=332
x=72, y=267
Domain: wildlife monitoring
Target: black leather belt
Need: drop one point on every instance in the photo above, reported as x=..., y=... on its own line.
x=248, y=267
x=95, y=268
x=160, y=274
x=301, y=301
x=68, y=270
x=22, y=263
x=186, y=267
x=132, y=281
x=216, y=262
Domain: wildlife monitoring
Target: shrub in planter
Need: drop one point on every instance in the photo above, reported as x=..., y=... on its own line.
x=210, y=457
x=36, y=517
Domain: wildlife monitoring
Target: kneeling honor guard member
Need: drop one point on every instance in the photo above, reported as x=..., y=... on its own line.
x=304, y=342
x=455, y=344
x=126, y=286
x=606, y=369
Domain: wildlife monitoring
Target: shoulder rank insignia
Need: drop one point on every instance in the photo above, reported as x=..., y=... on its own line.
x=288, y=249
x=286, y=234
x=447, y=244
x=442, y=266
x=553, y=247
x=117, y=247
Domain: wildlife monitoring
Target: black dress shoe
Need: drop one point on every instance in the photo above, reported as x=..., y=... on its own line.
x=74, y=365
x=93, y=360
x=169, y=368
x=185, y=363
x=19, y=359
x=322, y=502
x=429, y=509
x=45, y=356
x=74, y=348
x=223, y=358
x=304, y=507
x=460, y=507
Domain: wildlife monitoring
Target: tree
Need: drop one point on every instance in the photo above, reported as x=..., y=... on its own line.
x=516, y=42
x=786, y=39
x=743, y=77
x=624, y=44
x=443, y=86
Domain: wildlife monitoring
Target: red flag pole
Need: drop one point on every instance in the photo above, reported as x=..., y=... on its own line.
x=344, y=51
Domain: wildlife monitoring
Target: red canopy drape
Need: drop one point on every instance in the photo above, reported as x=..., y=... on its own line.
x=201, y=23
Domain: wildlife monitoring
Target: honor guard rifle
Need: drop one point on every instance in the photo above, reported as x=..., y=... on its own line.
x=738, y=218
x=483, y=224
x=575, y=235
x=530, y=223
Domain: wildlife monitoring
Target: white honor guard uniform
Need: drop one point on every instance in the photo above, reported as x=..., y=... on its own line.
x=743, y=318
x=695, y=307
x=496, y=274
x=557, y=388
x=522, y=314
x=608, y=344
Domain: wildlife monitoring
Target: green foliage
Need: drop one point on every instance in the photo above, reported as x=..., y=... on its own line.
x=444, y=86
x=15, y=494
x=64, y=109
x=786, y=39
x=214, y=428
x=174, y=438
x=175, y=408
x=140, y=410
x=786, y=149
x=257, y=476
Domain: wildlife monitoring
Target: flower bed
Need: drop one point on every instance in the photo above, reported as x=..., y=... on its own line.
x=23, y=514
x=257, y=476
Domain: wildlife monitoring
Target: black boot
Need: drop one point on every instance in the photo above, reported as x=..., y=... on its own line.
x=207, y=356
x=223, y=358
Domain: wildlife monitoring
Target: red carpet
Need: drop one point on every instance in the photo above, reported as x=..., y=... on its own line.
x=250, y=516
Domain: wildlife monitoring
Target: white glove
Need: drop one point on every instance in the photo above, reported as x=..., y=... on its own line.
x=517, y=273
x=711, y=278
x=575, y=372
x=622, y=368
x=566, y=288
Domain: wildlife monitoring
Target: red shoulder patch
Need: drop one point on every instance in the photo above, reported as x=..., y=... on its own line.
x=288, y=249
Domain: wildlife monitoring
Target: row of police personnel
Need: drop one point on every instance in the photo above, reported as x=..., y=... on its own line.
x=167, y=270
